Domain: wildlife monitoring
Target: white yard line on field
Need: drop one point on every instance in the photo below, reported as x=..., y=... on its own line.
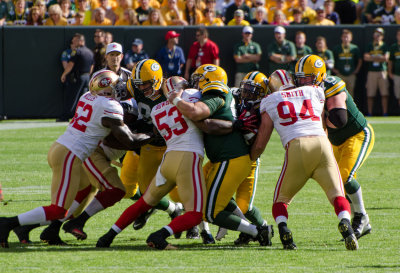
x=29, y=124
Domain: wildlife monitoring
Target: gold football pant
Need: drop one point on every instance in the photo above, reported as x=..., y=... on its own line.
x=223, y=180
x=308, y=157
x=353, y=152
x=184, y=170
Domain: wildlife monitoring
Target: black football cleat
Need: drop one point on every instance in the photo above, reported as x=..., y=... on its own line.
x=157, y=241
x=286, y=237
x=265, y=234
x=348, y=235
x=106, y=240
x=207, y=237
x=74, y=229
x=22, y=233
x=51, y=237
x=141, y=221
x=244, y=239
x=193, y=233
x=4, y=231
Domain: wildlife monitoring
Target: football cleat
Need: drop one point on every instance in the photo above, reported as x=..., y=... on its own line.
x=265, y=234
x=74, y=229
x=244, y=239
x=207, y=237
x=221, y=233
x=286, y=237
x=106, y=240
x=157, y=241
x=50, y=236
x=4, y=231
x=141, y=221
x=178, y=211
x=348, y=235
x=193, y=233
x=22, y=233
x=361, y=225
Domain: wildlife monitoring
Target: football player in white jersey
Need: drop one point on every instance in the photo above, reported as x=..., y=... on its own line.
x=97, y=115
x=181, y=166
x=296, y=114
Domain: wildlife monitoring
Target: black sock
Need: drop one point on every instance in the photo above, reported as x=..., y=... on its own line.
x=164, y=233
x=14, y=222
x=82, y=218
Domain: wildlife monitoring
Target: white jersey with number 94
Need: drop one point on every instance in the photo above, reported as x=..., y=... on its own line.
x=296, y=112
x=85, y=130
x=178, y=131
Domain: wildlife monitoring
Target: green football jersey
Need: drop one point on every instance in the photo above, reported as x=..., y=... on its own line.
x=377, y=50
x=223, y=147
x=346, y=58
x=356, y=121
x=395, y=58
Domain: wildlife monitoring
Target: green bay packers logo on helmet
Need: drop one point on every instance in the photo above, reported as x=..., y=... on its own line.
x=309, y=70
x=206, y=74
x=155, y=67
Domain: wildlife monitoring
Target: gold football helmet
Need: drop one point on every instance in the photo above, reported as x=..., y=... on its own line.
x=280, y=80
x=253, y=87
x=101, y=83
x=206, y=74
x=173, y=84
x=310, y=70
x=146, y=71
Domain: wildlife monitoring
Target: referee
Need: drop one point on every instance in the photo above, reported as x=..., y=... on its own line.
x=77, y=73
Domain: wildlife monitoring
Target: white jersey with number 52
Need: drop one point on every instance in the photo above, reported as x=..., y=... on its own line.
x=85, y=130
x=178, y=131
x=296, y=112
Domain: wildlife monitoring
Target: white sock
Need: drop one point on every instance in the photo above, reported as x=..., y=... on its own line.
x=34, y=216
x=344, y=214
x=116, y=229
x=357, y=200
x=248, y=228
x=204, y=226
x=239, y=213
x=171, y=207
x=169, y=229
x=71, y=210
x=280, y=219
x=94, y=207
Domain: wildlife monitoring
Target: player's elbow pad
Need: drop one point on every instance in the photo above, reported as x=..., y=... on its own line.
x=338, y=117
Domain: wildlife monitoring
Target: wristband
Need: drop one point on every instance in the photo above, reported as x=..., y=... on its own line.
x=176, y=100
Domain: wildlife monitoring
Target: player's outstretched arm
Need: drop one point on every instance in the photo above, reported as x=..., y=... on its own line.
x=263, y=136
x=120, y=132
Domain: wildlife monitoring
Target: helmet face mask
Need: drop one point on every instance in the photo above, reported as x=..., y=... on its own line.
x=253, y=87
x=147, y=78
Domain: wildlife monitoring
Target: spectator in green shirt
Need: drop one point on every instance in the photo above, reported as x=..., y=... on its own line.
x=348, y=60
x=394, y=66
x=377, y=56
x=301, y=48
x=326, y=54
x=247, y=54
x=281, y=52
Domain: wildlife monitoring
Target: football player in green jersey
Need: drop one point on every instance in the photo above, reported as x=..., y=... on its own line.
x=228, y=153
x=352, y=140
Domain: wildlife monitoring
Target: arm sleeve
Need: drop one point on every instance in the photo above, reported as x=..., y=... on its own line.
x=213, y=102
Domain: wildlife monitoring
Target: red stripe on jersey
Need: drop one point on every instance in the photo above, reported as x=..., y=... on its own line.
x=97, y=173
x=282, y=175
x=108, y=112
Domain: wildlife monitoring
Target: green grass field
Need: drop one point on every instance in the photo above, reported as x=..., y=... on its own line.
x=25, y=176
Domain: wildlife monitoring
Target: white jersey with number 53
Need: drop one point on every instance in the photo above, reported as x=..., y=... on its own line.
x=178, y=131
x=296, y=112
x=85, y=130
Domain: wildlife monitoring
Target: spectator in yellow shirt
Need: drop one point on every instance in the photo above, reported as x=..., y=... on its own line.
x=238, y=19
x=128, y=18
x=55, y=16
x=320, y=19
x=308, y=13
x=210, y=19
x=83, y=6
x=192, y=13
x=100, y=18
x=172, y=14
x=155, y=19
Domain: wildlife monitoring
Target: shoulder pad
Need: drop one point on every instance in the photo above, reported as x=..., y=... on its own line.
x=333, y=85
x=216, y=86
